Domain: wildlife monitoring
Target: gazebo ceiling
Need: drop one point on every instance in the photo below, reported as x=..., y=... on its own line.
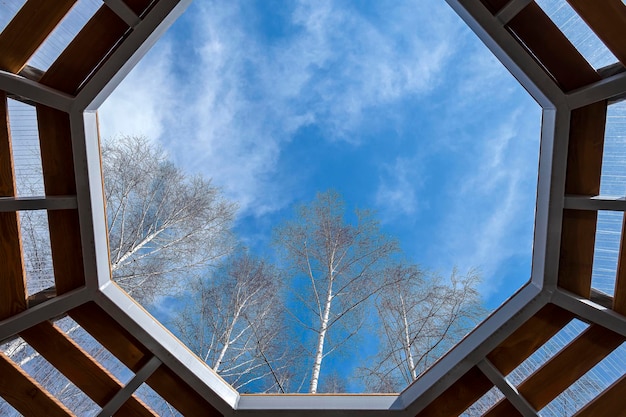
x=574, y=96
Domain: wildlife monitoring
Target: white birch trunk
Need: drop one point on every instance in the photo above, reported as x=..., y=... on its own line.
x=319, y=354
x=220, y=358
x=407, y=341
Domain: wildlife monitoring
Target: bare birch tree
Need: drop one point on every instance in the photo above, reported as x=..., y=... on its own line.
x=339, y=265
x=232, y=321
x=161, y=221
x=420, y=317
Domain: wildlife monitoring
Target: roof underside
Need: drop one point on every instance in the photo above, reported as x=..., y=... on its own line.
x=575, y=96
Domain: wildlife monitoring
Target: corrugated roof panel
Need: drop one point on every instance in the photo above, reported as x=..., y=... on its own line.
x=609, y=370
x=26, y=151
x=95, y=349
x=22, y=354
x=8, y=9
x=63, y=34
x=578, y=32
x=37, y=251
x=606, y=251
x=547, y=351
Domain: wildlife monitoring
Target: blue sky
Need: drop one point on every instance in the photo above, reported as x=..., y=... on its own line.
x=397, y=106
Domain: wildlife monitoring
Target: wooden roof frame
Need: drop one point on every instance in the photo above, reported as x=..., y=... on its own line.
x=574, y=99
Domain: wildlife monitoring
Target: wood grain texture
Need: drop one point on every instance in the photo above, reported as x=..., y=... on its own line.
x=459, y=396
x=134, y=355
x=552, y=49
x=7, y=169
x=619, y=298
x=529, y=337
x=609, y=403
x=80, y=368
x=584, y=168
x=578, y=236
x=562, y=370
x=607, y=18
x=111, y=335
x=585, y=149
x=179, y=394
x=28, y=29
x=86, y=51
x=12, y=275
x=25, y=394
x=57, y=161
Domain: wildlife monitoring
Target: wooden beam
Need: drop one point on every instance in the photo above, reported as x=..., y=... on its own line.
x=529, y=337
x=28, y=29
x=584, y=168
x=578, y=236
x=12, y=275
x=86, y=51
x=111, y=335
x=134, y=355
x=494, y=6
x=25, y=394
x=607, y=18
x=7, y=169
x=138, y=6
x=179, y=394
x=619, y=298
x=585, y=149
x=609, y=403
x=80, y=368
x=59, y=180
x=552, y=49
x=562, y=370
x=459, y=396
x=503, y=408
x=12, y=281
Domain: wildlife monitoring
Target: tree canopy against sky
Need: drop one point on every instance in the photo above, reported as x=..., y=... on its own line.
x=162, y=222
x=399, y=110
x=340, y=265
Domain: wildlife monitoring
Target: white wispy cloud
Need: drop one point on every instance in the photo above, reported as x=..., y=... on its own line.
x=242, y=99
x=397, y=192
x=490, y=219
x=226, y=101
x=142, y=104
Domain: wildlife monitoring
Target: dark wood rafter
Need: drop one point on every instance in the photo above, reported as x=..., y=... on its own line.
x=111, y=335
x=92, y=46
x=584, y=168
x=609, y=403
x=562, y=370
x=619, y=298
x=80, y=368
x=607, y=18
x=459, y=396
x=88, y=49
x=494, y=6
x=134, y=355
x=28, y=29
x=179, y=394
x=552, y=49
x=504, y=409
x=139, y=6
x=59, y=179
x=529, y=337
x=25, y=394
x=12, y=279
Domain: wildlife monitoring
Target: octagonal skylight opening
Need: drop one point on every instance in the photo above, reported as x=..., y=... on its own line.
x=110, y=310
x=277, y=104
